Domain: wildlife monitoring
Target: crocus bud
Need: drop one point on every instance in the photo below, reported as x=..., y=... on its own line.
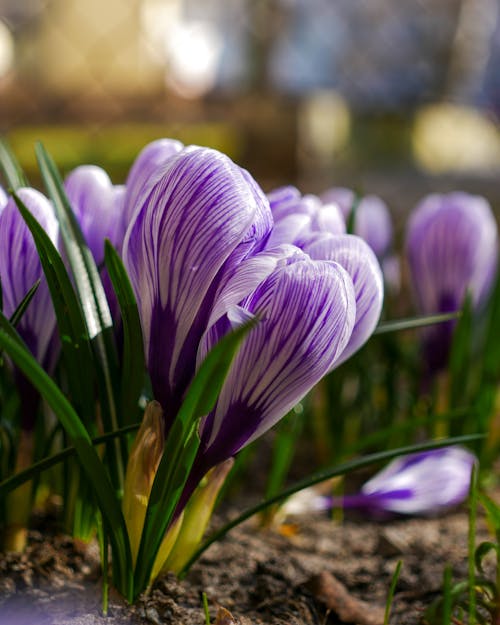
x=451, y=245
x=142, y=465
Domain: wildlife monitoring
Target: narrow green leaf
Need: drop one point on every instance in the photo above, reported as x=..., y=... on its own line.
x=75, y=341
x=321, y=476
x=180, y=450
x=414, y=322
x=23, y=305
x=94, y=304
x=392, y=590
x=10, y=167
x=36, y=468
x=91, y=464
x=133, y=360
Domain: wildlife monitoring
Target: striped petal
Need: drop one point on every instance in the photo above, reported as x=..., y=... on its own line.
x=98, y=206
x=358, y=259
x=145, y=169
x=306, y=314
x=452, y=248
x=195, y=224
x=3, y=198
x=20, y=268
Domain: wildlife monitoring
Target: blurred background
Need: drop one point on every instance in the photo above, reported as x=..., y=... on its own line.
x=393, y=97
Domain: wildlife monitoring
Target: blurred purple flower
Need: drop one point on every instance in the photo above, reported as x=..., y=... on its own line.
x=452, y=249
x=98, y=207
x=20, y=268
x=420, y=483
x=372, y=220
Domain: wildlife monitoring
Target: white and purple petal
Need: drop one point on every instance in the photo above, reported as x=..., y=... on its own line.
x=145, y=169
x=360, y=262
x=98, y=207
x=192, y=228
x=422, y=483
x=20, y=268
x=306, y=313
x=452, y=248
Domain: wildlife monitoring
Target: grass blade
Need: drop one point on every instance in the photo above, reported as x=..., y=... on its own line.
x=91, y=464
x=180, y=450
x=94, y=305
x=411, y=323
x=10, y=167
x=392, y=590
x=133, y=359
x=36, y=468
x=23, y=305
x=321, y=476
x=75, y=341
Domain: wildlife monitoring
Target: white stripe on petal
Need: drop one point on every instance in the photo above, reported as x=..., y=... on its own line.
x=360, y=262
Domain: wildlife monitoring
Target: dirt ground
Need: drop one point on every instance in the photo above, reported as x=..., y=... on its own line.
x=321, y=572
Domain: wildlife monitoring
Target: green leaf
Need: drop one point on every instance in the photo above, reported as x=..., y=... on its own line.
x=180, y=450
x=414, y=322
x=23, y=305
x=91, y=464
x=133, y=360
x=75, y=341
x=321, y=476
x=10, y=167
x=94, y=305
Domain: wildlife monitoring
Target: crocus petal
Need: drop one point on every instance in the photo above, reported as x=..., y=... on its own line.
x=422, y=483
x=343, y=197
x=373, y=223
x=20, y=268
x=98, y=207
x=286, y=201
x=361, y=264
x=3, y=198
x=452, y=248
x=143, y=171
x=246, y=278
x=306, y=315
x=193, y=226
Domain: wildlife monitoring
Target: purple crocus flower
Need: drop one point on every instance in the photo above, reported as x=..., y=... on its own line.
x=20, y=268
x=98, y=207
x=319, y=230
x=452, y=250
x=285, y=355
x=372, y=220
x=420, y=483
x=190, y=230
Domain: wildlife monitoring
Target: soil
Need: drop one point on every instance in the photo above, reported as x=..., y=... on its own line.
x=316, y=572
